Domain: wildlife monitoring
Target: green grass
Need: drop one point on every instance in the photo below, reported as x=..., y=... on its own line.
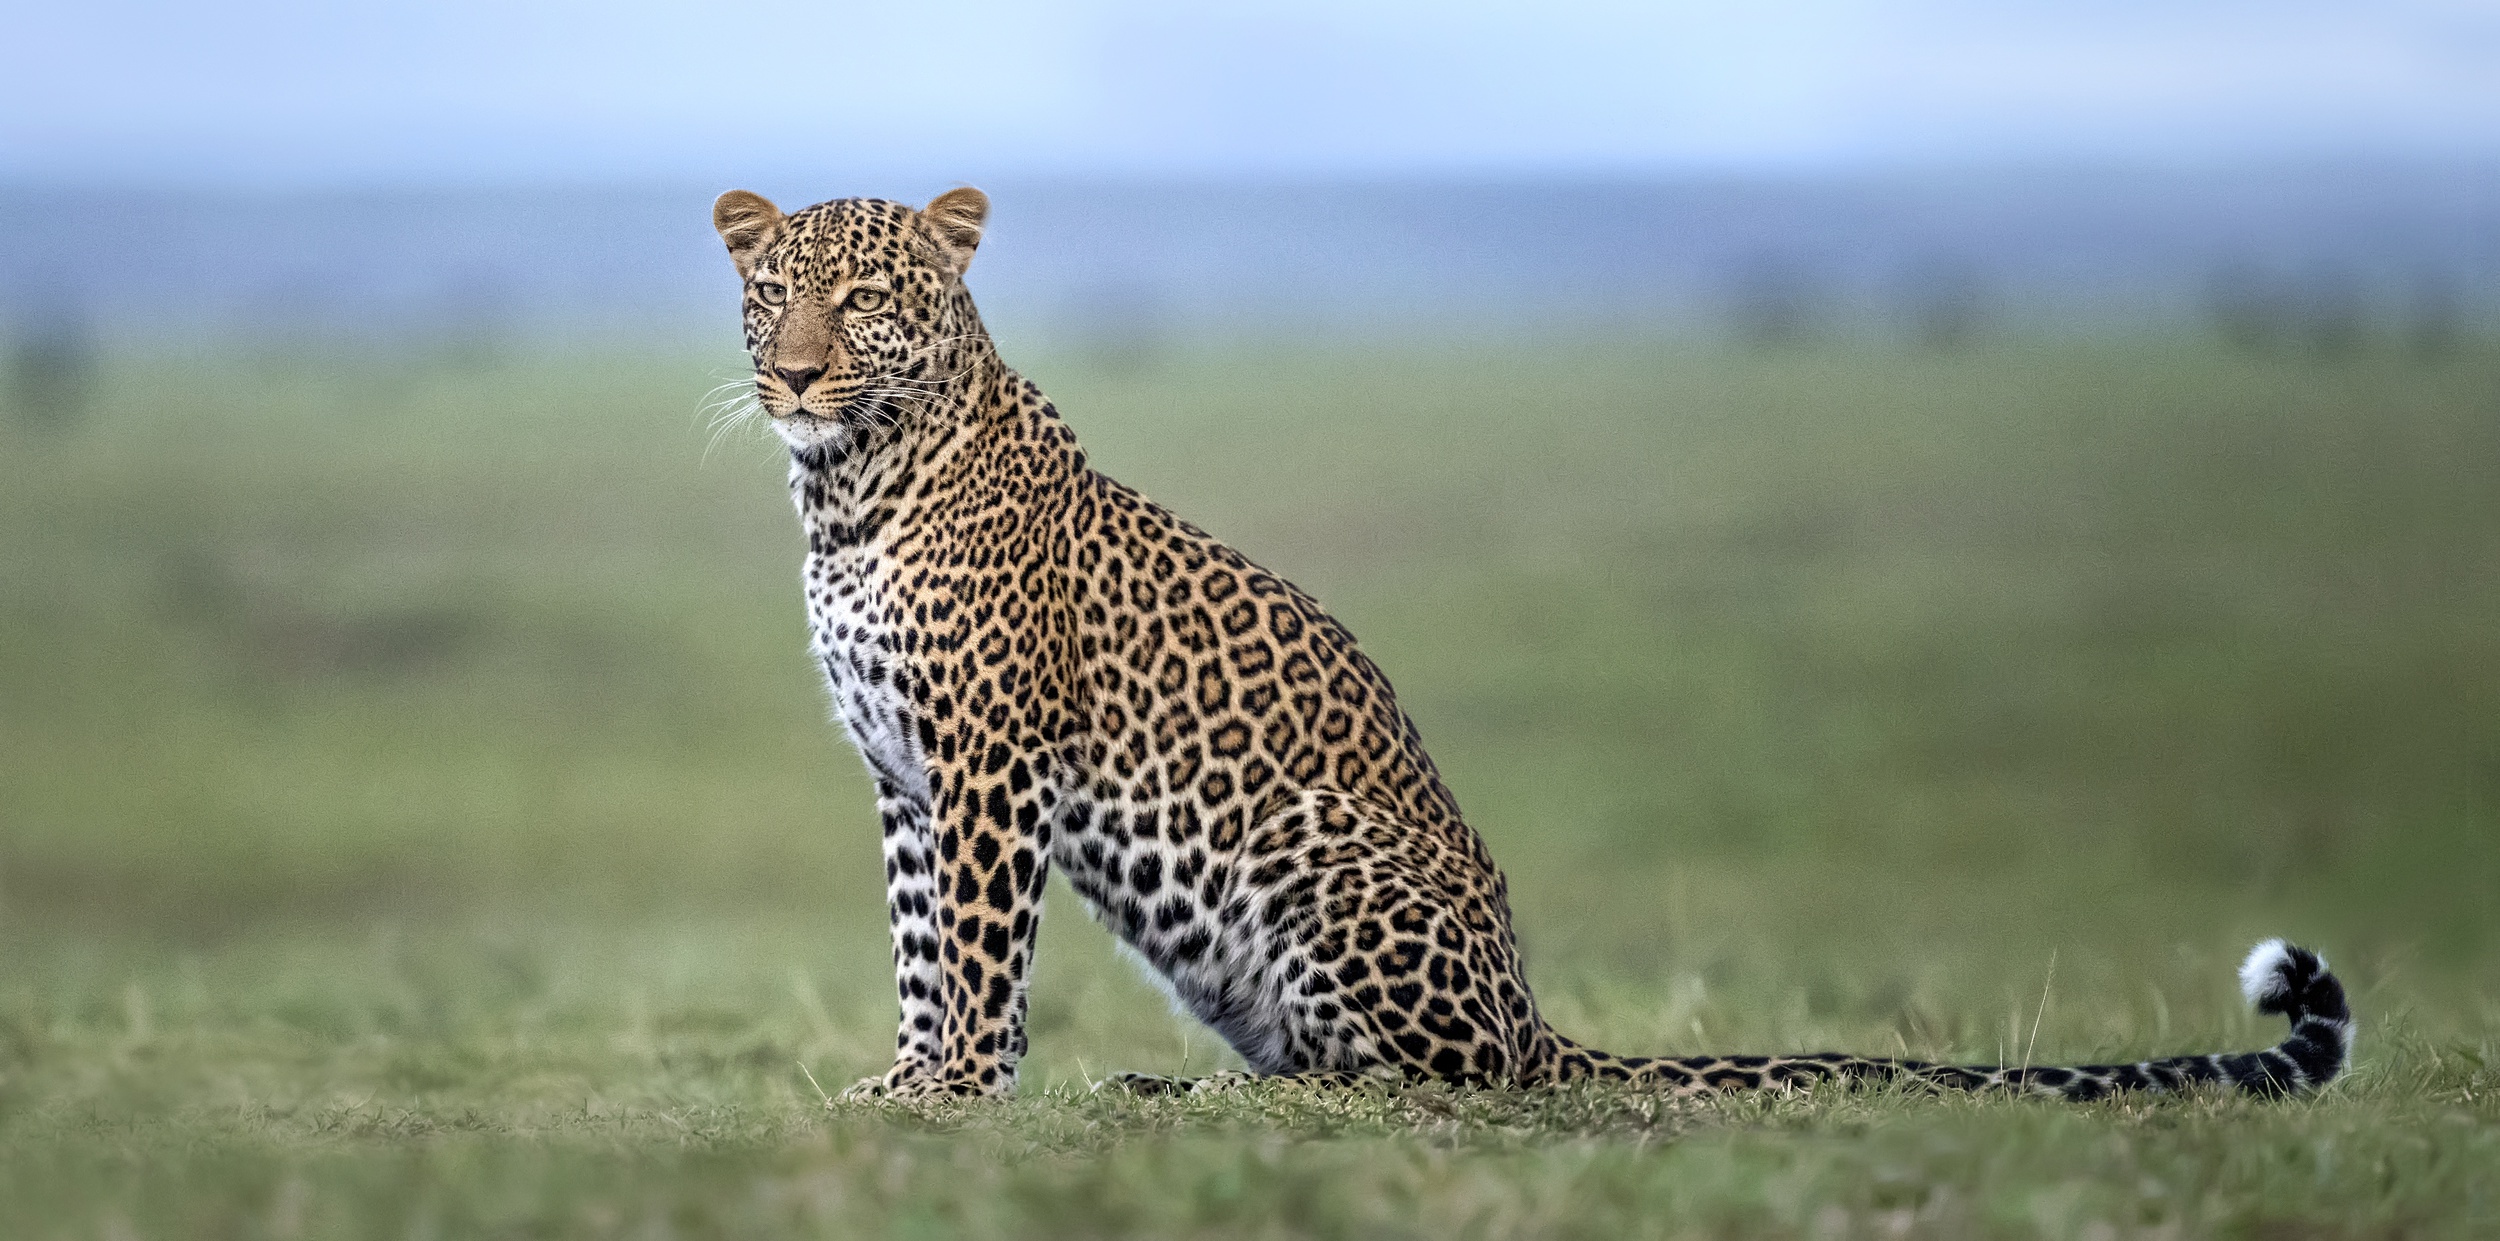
x=418, y=818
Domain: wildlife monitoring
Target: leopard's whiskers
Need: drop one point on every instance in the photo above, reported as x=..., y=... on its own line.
x=730, y=405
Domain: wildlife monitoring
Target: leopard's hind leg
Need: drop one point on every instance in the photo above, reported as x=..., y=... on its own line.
x=1359, y=946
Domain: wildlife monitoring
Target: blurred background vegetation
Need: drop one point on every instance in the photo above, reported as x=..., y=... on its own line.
x=1950, y=656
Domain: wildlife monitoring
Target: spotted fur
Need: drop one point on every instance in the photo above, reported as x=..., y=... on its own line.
x=1043, y=668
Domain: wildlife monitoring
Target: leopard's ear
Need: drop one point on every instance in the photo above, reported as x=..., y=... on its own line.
x=747, y=222
x=953, y=220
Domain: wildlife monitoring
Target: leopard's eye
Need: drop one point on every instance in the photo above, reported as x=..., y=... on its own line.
x=771, y=294
x=865, y=301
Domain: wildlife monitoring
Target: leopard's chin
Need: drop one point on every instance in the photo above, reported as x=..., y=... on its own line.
x=809, y=432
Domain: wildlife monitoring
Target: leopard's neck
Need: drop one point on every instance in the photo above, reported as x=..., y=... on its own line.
x=880, y=472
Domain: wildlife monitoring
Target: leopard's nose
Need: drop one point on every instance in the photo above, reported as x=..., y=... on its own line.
x=798, y=377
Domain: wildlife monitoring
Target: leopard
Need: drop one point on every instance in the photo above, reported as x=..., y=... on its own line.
x=1045, y=671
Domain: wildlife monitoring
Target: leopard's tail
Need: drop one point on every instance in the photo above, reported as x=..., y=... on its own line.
x=2277, y=978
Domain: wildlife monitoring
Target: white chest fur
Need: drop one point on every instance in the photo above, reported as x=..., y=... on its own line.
x=855, y=633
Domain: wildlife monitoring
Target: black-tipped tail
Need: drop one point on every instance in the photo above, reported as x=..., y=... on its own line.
x=2279, y=978
x=2293, y=983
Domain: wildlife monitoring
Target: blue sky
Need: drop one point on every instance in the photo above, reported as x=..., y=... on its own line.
x=259, y=92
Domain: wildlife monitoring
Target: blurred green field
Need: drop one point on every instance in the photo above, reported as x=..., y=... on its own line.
x=418, y=817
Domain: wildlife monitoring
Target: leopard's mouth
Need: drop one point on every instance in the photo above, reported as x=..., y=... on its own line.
x=832, y=407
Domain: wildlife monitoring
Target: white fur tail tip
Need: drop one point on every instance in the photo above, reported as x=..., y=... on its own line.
x=2266, y=977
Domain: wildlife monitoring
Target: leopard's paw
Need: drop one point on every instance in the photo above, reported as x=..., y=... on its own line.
x=908, y=1079
x=1153, y=1085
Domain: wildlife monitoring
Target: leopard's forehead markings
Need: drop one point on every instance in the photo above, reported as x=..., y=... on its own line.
x=843, y=239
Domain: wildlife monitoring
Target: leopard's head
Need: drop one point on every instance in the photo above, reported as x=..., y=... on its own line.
x=856, y=312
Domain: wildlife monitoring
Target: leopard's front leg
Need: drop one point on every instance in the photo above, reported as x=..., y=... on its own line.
x=993, y=853
x=911, y=905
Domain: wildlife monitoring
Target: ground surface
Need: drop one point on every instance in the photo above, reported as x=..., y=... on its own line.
x=418, y=819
